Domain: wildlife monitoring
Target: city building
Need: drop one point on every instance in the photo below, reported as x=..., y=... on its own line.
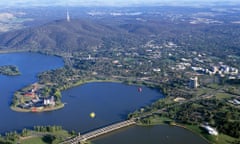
x=193, y=82
x=49, y=101
x=214, y=69
x=210, y=130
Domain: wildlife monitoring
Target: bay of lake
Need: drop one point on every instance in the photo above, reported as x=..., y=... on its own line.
x=111, y=102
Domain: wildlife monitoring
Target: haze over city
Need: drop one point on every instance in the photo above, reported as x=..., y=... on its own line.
x=26, y=3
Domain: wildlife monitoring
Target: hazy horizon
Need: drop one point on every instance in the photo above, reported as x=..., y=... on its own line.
x=27, y=3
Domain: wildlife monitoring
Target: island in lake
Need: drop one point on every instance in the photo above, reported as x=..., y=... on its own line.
x=37, y=98
x=9, y=70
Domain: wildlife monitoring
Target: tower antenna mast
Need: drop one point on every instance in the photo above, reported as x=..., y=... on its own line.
x=68, y=16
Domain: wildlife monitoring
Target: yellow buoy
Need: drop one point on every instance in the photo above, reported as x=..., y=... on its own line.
x=92, y=115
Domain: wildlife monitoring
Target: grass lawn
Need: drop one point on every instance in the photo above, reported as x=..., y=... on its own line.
x=202, y=91
x=196, y=129
x=157, y=120
x=220, y=96
x=224, y=139
x=35, y=140
x=39, y=140
x=59, y=136
x=160, y=120
x=214, y=86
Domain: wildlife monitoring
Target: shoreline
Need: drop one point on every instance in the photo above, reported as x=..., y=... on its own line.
x=16, y=109
x=79, y=83
x=82, y=82
x=184, y=127
x=175, y=125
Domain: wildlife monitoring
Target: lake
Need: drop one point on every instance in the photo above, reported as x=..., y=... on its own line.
x=111, y=102
x=160, y=134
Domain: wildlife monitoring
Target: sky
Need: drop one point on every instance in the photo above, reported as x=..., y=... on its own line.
x=26, y=3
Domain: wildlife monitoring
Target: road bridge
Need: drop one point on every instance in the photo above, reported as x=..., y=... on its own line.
x=98, y=132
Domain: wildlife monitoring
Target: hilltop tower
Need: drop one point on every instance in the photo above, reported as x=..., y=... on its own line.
x=68, y=16
x=68, y=50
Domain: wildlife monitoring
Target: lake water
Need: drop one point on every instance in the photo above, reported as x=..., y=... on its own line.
x=111, y=102
x=161, y=134
x=30, y=65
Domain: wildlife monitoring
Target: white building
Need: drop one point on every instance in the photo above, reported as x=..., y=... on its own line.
x=210, y=130
x=214, y=69
x=193, y=82
x=157, y=70
x=49, y=101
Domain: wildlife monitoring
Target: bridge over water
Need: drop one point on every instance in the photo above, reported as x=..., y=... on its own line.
x=98, y=132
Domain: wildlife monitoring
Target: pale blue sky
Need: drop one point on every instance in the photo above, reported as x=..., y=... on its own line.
x=103, y=2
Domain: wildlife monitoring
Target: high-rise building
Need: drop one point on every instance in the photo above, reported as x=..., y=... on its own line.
x=193, y=82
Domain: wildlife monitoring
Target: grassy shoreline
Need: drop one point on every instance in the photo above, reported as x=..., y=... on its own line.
x=171, y=122
x=38, y=134
x=38, y=110
x=194, y=128
x=177, y=125
x=80, y=82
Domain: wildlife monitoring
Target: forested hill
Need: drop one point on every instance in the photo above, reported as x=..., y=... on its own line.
x=82, y=34
x=59, y=35
x=124, y=32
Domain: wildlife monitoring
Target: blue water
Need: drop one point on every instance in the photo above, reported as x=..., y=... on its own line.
x=110, y=101
x=29, y=64
x=161, y=134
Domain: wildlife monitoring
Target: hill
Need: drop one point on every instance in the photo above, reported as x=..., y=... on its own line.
x=107, y=33
x=85, y=34
x=58, y=35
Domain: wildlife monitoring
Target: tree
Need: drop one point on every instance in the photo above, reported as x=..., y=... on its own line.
x=73, y=132
x=57, y=94
x=212, y=121
x=46, y=91
x=15, y=101
x=22, y=100
x=49, y=138
x=227, y=116
x=25, y=132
